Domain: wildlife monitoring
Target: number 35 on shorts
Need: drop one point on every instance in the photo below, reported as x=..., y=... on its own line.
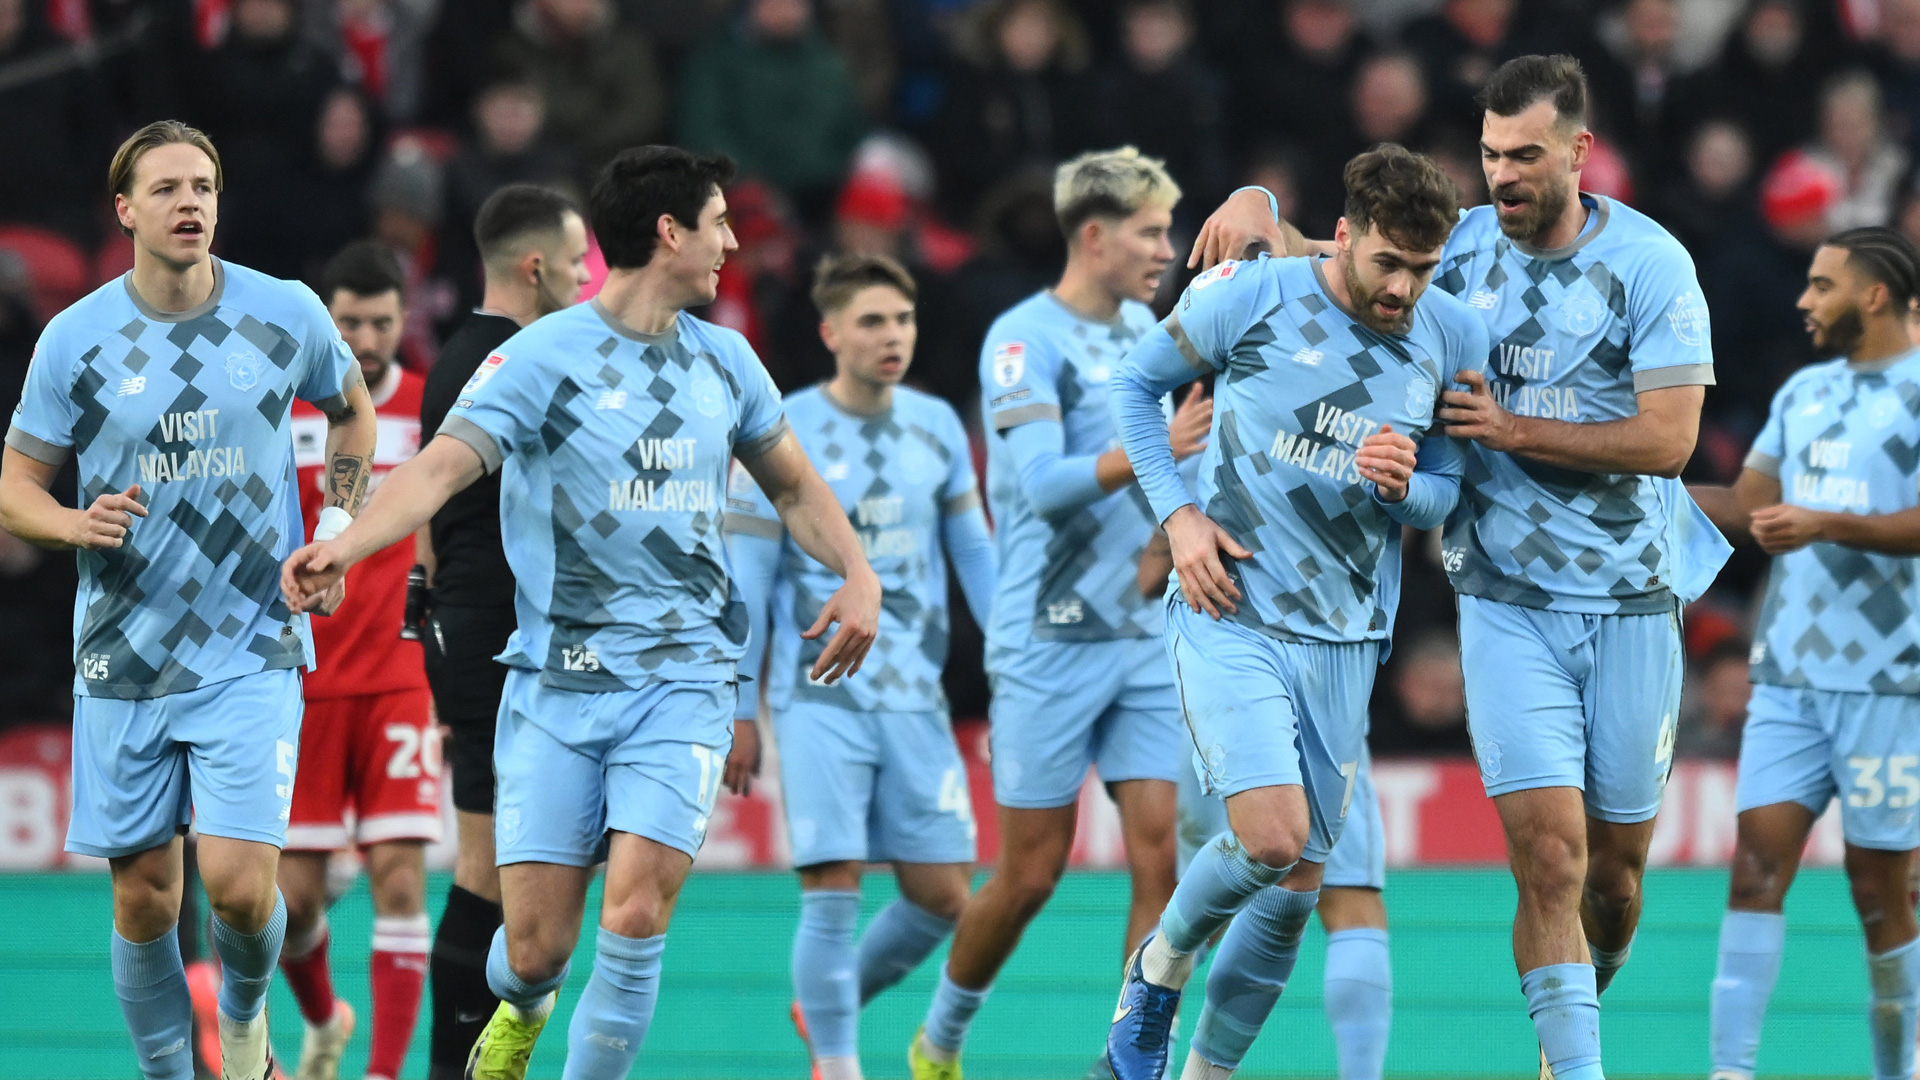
x=1898, y=787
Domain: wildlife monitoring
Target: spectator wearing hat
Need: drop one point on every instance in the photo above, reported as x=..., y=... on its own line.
x=407, y=200
x=772, y=93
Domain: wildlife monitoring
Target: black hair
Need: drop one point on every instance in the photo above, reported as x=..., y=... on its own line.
x=516, y=210
x=1885, y=256
x=1516, y=85
x=639, y=185
x=363, y=268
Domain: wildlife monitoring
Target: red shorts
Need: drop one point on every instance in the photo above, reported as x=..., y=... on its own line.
x=369, y=771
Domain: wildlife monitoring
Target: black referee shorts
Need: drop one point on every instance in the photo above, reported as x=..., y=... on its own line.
x=461, y=643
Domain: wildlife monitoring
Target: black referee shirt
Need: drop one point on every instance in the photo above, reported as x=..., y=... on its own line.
x=472, y=565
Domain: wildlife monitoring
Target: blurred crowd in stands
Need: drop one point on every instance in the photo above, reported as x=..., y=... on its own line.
x=927, y=129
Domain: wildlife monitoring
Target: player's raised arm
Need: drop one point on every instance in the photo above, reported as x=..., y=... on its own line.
x=407, y=499
x=812, y=514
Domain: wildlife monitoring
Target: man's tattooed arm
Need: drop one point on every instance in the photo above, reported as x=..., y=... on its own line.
x=351, y=430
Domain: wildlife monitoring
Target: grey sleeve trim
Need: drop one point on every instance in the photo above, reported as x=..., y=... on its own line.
x=37, y=448
x=1180, y=341
x=1661, y=378
x=331, y=407
x=1764, y=463
x=750, y=525
x=1025, y=414
x=755, y=447
x=474, y=435
x=963, y=502
x=355, y=377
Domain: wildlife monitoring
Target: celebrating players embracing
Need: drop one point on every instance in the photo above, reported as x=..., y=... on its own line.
x=612, y=424
x=172, y=386
x=1328, y=371
x=1573, y=548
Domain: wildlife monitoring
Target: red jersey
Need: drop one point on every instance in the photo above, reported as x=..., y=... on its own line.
x=358, y=647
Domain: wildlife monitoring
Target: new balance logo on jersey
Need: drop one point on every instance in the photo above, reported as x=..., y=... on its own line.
x=611, y=399
x=93, y=667
x=1066, y=612
x=579, y=658
x=1309, y=357
x=130, y=387
x=1482, y=300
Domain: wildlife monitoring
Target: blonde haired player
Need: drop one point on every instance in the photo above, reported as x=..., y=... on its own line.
x=1073, y=649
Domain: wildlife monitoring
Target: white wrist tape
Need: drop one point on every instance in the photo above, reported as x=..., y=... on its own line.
x=333, y=521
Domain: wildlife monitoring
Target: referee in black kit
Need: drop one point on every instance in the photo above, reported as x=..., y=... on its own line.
x=533, y=244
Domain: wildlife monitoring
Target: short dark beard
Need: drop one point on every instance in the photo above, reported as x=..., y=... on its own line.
x=1843, y=335
x=1362, y=298
x=1529, y=225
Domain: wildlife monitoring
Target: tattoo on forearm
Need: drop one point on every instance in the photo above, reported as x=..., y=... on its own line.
x=347, y=482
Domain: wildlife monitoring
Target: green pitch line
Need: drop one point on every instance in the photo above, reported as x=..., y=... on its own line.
x=723, y=1006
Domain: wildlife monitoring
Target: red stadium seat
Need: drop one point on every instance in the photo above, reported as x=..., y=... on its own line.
x=57, y=268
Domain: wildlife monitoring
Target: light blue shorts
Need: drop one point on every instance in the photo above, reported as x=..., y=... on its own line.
x=573, y=766
x=1358, y=860
x=1264, y=712
x=1060, y=707
x=872, y=786
x=221, y=757
x=1808, y=746
x=1562, y=699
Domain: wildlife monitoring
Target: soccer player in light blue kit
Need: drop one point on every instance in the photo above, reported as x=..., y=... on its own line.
x=1328, y=371
x=171, y=386
x=1073, y=654
x=1357, y=981
x=612, y=424
x=1573, y=547
x=1832, y=490
x=868, y=767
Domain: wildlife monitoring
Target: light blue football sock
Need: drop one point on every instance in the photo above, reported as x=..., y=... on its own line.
x=247, y=961
x=509, y=987
x=151, y=983
x=1750, y=946
x=611, y=1020
x=825, y=980
x=1566, y=1018
x=1896, y=1004
x=895, y=942
x=952, y=1012
x=1250, y=969
x=1220, y=881
x=1359, y=1000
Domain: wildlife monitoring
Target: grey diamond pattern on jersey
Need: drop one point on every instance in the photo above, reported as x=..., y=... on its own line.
x=906, y=659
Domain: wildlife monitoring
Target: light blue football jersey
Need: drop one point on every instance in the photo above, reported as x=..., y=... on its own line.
x=900, y=476
x=1301, y=385
x=192, y=406
x=1073, y=577
x=1576, y=332
x=1844, y=439
x=612, y=448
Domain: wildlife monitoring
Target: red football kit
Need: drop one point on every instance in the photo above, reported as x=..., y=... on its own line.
x=369, y=767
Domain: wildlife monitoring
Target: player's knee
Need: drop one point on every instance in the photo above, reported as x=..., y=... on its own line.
x=642, y=913
x=1759, y=881
x=1550, y=871
x=244, y=903
x=1277, y=844
x=1611, y=887
x=303, y=911
x=1029, y=888
x=536, y=959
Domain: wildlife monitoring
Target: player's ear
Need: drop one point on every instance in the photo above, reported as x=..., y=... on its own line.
x=827, y=335
x=668, y=232
x=1582, y=148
